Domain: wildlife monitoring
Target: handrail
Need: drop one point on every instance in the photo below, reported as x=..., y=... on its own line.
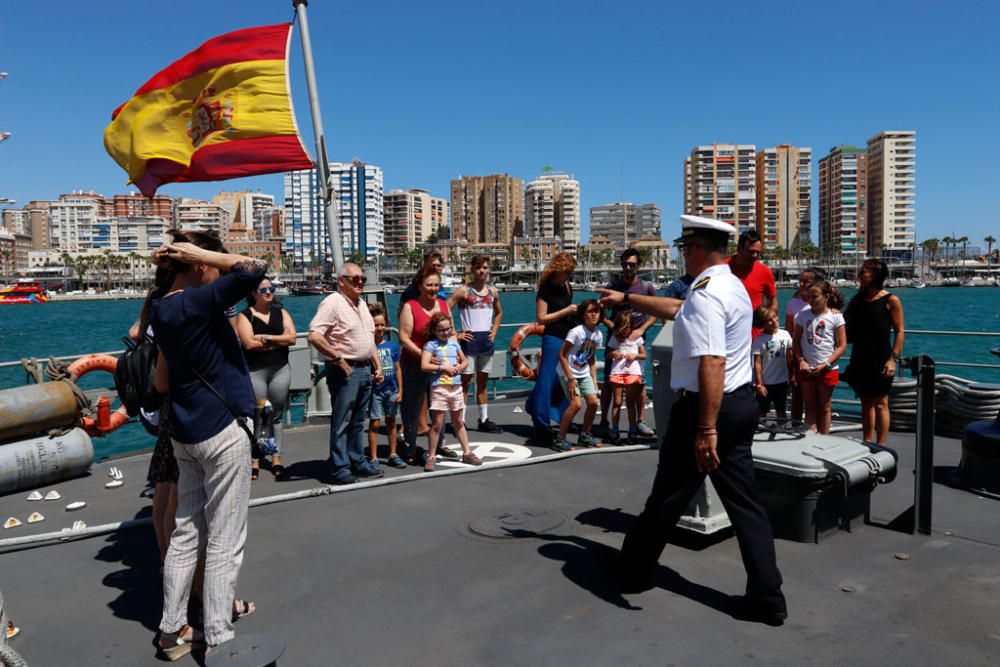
x=922, y=332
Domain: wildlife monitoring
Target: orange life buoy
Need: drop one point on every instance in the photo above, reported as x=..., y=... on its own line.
x=106, y=421
x=516, y=362
x=92, y=362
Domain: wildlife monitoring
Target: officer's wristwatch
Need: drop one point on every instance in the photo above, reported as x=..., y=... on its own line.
x=625, y=299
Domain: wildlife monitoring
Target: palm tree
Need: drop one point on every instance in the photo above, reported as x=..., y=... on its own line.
x=133, y=259
x=81, y=265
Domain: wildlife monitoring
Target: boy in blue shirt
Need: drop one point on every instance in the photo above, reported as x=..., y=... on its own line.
x=387, y=395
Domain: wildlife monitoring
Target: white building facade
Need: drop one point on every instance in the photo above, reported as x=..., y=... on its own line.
x=552, y=209
x=892, y=192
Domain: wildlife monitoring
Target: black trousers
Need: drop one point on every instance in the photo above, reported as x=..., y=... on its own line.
x=677, y=480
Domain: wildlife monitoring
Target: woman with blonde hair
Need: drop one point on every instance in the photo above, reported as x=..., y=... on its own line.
x=554, y=310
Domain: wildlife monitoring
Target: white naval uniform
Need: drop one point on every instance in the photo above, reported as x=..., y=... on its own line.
x=715, y=320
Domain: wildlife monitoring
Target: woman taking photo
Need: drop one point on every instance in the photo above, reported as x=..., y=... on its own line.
x=872, y=316
x=414, y=317
x=266, y=332
x=555, y=311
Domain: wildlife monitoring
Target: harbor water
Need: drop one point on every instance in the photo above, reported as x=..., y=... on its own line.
x=81, y=327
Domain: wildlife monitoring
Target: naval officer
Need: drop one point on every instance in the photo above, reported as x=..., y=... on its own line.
x=711, y=425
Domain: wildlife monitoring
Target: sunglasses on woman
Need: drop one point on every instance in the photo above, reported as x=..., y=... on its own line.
x=266, y=290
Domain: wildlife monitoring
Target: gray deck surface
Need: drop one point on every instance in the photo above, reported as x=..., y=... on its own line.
x=388, y=576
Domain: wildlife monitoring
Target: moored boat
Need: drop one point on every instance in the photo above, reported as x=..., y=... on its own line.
x=24, y=290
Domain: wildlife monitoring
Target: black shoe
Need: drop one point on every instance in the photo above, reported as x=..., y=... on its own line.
x=745, y=608
x=600, y=430
x=345, y=478
x=487, y=426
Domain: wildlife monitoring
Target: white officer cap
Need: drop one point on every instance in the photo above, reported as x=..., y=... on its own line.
x=693, y=225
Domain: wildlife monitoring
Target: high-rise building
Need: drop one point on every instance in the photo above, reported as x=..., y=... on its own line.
x=306, y=238
x=720, y=181
x=487, y=209
x=842, y=181
x=892, y=169
x=625, y=222
x=31, y=221
x=357, y=199
x=784, y=196
x=552, y=209
x=410, y=217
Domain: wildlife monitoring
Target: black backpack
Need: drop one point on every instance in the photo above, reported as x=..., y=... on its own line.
x=135, y=376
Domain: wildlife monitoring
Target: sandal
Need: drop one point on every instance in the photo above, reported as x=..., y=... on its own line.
x=278, y=471
x=254, y=473
x=174, y=646
x=242, y=608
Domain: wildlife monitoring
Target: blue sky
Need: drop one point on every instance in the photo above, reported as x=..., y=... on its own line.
x=429, y=91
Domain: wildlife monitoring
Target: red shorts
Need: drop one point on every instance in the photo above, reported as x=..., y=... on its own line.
x=625, y=379
x=829, y=379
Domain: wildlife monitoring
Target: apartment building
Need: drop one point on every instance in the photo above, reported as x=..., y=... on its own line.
x=552, y=209
x=357, y=201
x=784, y=196
x=624, y=222
x=135, y=205
x=892, y=168
x=244, y=208
x=720, y=181
x=199, y=214
x=487, y=209
x=411, y=216
x=843, y=187
x=31, y=221
x=306, y=234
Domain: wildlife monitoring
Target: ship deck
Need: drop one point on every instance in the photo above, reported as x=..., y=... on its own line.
x=388, y=573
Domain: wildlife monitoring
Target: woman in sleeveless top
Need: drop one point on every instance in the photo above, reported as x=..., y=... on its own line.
x=871, y=317
x=266, y=331
x=413, y=319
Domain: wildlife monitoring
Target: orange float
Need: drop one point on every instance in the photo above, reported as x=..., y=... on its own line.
x=106, y=421
x=516, y=362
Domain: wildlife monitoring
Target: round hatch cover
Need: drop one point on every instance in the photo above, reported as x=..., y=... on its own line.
x=515, y=524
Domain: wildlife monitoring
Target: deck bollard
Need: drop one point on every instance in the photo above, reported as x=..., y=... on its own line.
x=922, y=367
x=252, y=650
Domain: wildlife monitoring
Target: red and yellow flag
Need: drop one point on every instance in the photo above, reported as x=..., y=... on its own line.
x=222, y=111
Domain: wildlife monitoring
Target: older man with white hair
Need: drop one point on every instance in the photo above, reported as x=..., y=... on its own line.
x=344, y=333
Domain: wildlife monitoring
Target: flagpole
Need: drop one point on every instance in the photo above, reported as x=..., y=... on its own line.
x=332, y=225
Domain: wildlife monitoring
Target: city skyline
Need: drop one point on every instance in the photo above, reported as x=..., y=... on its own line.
x=619, y=147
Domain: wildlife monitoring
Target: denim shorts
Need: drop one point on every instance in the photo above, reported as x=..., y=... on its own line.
x=383, y=405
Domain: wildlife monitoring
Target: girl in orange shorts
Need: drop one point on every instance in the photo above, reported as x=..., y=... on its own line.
x=626, y=356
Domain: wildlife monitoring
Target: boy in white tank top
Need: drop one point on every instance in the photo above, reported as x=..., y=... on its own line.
x=479, y=315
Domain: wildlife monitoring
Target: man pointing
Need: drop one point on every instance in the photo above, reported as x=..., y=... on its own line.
x=711, y=424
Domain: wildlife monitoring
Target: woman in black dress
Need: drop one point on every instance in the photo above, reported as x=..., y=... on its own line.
x=872, y=316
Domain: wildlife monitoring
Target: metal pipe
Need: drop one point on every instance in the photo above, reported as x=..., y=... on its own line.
x=923, y=367
x=323, y=166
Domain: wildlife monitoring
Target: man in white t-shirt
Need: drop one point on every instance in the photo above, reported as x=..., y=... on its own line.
x=773, y=363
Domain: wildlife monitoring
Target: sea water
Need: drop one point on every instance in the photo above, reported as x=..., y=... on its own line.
x=59, y=328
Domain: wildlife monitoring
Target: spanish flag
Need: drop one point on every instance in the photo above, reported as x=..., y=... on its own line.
x=222, y=111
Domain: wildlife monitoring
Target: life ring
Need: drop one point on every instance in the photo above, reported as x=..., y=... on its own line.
x=516, y=362
x=92, y=362
x=106, y=421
